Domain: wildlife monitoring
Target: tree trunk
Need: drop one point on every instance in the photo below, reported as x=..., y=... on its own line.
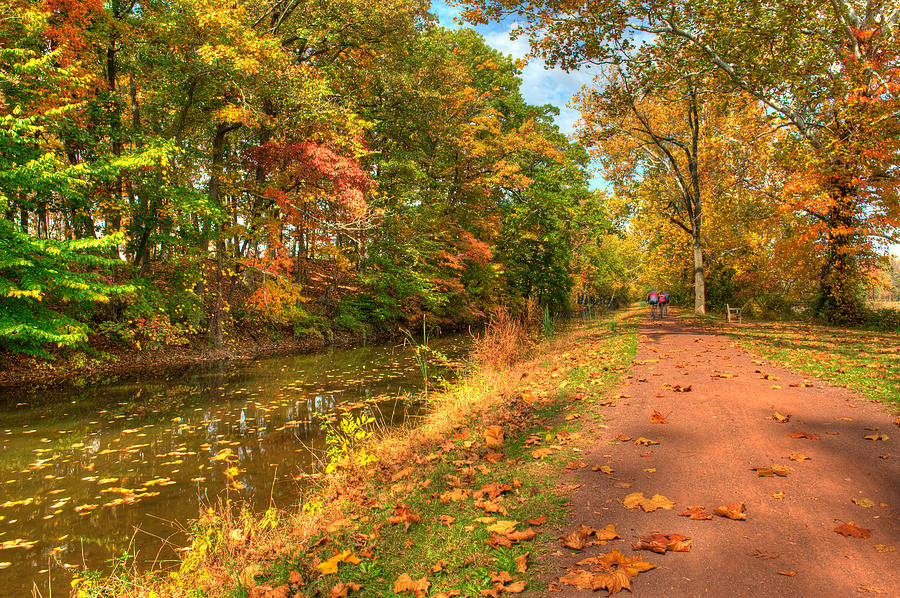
x=217, y=317
x=838, y=281
x=699, y=280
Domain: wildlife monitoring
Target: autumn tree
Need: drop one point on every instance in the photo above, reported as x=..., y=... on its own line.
x=803, y=61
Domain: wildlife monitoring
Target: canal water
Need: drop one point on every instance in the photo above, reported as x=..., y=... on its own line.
x=90, y=473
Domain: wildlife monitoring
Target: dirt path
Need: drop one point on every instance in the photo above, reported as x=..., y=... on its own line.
x=715, y=434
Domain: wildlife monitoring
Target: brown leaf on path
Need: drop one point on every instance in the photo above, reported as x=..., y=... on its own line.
x=645, y=441
x=493, y=437
x=864, y=502
x=576, y=464
x=578, y=539
x=798, y=457
x=407, y=585
x=660, y=543
x=446, y=519
x=658, y=418
x=771, y=471
x=781, y=419
x=603, y=468
x=696, y=512
x=538, y=520
x=807, y=435
x=736, y=511
x=682, y=389
x=876, y=437
x=522, y=562
x=779, y=495
x=579, y=578
x=788, y=573
x=501, y=577
x=623, y=438
x=884, y=548
x=852, y=531
x=637, y=499
x=496, y=540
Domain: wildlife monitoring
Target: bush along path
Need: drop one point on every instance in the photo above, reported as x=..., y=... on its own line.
x=722, y=474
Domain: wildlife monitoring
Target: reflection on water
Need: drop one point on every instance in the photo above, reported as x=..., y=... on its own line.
x=89, y=474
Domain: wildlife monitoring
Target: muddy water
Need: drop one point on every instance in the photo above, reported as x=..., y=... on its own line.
x=93, y=473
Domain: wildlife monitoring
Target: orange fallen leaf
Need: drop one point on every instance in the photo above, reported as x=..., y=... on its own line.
x=522, y=562
x=406, y=585
x=771, y=471
x=645, y=441
x=446, y=519
x=603, y=468
x=852, y=531
x=637, y=499
x=614, y=572
x=876, y=437
x=403, y=514
x=737, y=511
x=781, y=419
x=798, y=457
x=696, y=512
x=541, y=453
x=788, y=573
x=538, y=520
x=576, y=465
x=884, y=548
x=455, y=495
x=623, y=438
x=330, y=566
x=342, y=589
x=807, y=435
x=660, y=543
x=439, y=566
x=658, y=418
x=493, y=437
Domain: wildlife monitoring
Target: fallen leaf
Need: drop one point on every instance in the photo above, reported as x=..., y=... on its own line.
x=541, y=453
x=798, y=457
x=403, y=514
x=623, y=438
x=493, y=437
x=439, y=566
x=603, y=469
x=446, y=520
x=455, y=495
x=342, y=589
x=737, y=511
x=883, y=548
x=637, y=499
x=522, y=562
x=781, y=418
x=771, y=471
x=538, y=520
x=851, y=530
x=645, y=441
x=696, y=512
x=576, y=465
x=658, y=418
x=779, y=495
x=407, y=585
x=660, y=543
x=330, y=566
x=788, y=573
x=503, y=527
x=864, y=503
x=614, y=572
x=807, y=435
x=876, y=437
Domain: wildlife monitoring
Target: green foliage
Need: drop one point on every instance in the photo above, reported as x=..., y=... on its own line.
x=44, y=284
x=345, y=441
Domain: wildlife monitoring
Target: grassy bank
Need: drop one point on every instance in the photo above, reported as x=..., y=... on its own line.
x=453, y=506
x=865, y=361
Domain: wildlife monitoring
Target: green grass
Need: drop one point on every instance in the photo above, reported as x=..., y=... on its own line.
x=470, y=561
x=865, y=361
